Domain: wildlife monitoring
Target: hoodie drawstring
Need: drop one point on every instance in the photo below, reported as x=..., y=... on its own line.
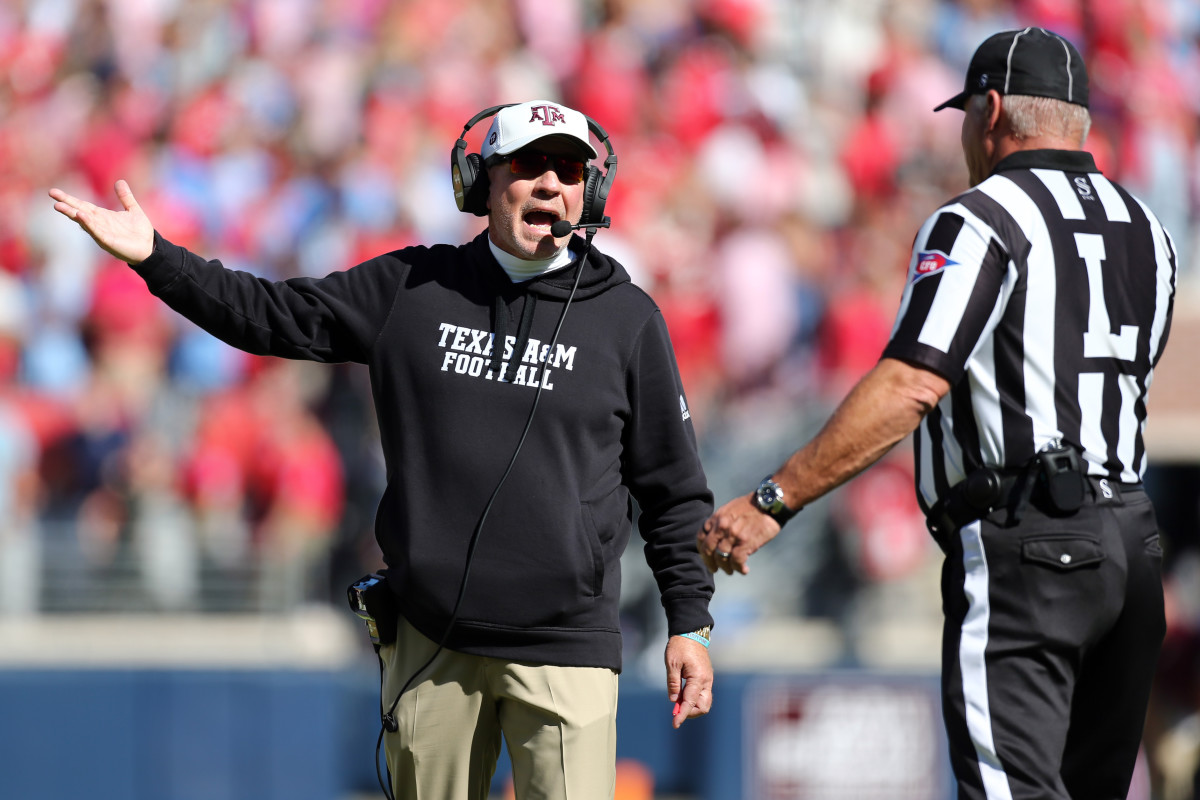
x=500, y=331
x=500, y=335
x=523, y=328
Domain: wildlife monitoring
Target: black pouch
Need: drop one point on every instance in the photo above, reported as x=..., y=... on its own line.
x=372, y=601
x=982, y=490
x=1060, y=478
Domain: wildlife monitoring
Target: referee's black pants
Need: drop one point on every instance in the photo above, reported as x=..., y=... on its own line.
x=1052, y=632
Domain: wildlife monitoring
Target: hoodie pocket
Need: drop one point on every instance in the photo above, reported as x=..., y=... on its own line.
x=591, y=535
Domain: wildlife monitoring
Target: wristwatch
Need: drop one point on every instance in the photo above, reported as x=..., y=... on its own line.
x=768, y=498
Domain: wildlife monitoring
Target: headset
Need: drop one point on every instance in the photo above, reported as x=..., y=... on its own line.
x=470, y=178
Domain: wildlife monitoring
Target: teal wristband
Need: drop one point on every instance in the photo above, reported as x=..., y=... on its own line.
x=695, y=637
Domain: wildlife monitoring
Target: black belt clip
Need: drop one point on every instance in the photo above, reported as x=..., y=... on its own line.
x=983, y=489
x=976, y=495
x=1060, y=477
x=372, y=601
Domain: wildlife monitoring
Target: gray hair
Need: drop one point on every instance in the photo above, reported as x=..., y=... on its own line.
x=1031, y=117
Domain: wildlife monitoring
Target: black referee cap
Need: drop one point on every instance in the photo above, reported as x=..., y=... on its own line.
x=1030, y=61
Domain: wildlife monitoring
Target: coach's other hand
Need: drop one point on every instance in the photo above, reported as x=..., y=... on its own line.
x=689, y=679
x=127, y=235
x=734, y=531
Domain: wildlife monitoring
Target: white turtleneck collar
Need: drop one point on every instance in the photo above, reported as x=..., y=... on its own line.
x=520, y=270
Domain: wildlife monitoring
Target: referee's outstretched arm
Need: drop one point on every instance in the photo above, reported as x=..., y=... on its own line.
x=883, y=408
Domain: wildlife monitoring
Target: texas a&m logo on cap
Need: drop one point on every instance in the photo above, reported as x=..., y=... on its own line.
x=547, y=114
x=930, y=262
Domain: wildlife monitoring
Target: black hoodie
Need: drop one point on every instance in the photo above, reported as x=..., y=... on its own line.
x=611, y=424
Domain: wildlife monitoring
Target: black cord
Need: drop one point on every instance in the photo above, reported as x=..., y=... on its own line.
x=388, y=720
x=387, y=790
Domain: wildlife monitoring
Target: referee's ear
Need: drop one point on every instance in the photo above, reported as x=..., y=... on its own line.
x=995, y=105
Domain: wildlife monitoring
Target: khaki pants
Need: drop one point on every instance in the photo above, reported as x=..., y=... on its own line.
x=559, y=724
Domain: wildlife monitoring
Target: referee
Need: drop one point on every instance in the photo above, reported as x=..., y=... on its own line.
x=1037, y=306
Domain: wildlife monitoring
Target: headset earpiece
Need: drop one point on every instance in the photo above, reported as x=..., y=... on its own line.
x=595, y=190
x=470, y=180
x=467, y=170
x=593, y=209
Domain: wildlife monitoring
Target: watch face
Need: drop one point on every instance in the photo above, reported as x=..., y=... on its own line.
x=768, y=496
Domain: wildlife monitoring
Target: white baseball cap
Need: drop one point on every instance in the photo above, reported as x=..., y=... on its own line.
x=515, y=126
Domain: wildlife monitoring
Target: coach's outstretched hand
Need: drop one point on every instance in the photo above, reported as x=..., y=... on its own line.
x=127, y=234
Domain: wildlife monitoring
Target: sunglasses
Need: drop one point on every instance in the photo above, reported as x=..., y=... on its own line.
x=569, y=169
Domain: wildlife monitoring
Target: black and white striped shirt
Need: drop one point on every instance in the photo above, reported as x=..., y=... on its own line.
x=1044, y=296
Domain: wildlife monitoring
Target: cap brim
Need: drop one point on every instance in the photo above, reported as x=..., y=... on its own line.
x=515, y=145
x=959, y=101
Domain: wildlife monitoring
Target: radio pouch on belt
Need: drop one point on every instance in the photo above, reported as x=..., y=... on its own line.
x=1060, y=477
x=372, y=601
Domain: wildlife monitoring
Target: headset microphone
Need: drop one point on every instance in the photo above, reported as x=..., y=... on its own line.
x=562, y=227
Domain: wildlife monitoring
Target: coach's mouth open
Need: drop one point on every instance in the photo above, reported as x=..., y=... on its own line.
x=541, y=221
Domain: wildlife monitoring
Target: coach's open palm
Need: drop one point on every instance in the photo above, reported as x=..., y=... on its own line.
x=127, y=234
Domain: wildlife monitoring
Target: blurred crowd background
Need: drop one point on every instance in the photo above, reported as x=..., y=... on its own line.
x=776, y=158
